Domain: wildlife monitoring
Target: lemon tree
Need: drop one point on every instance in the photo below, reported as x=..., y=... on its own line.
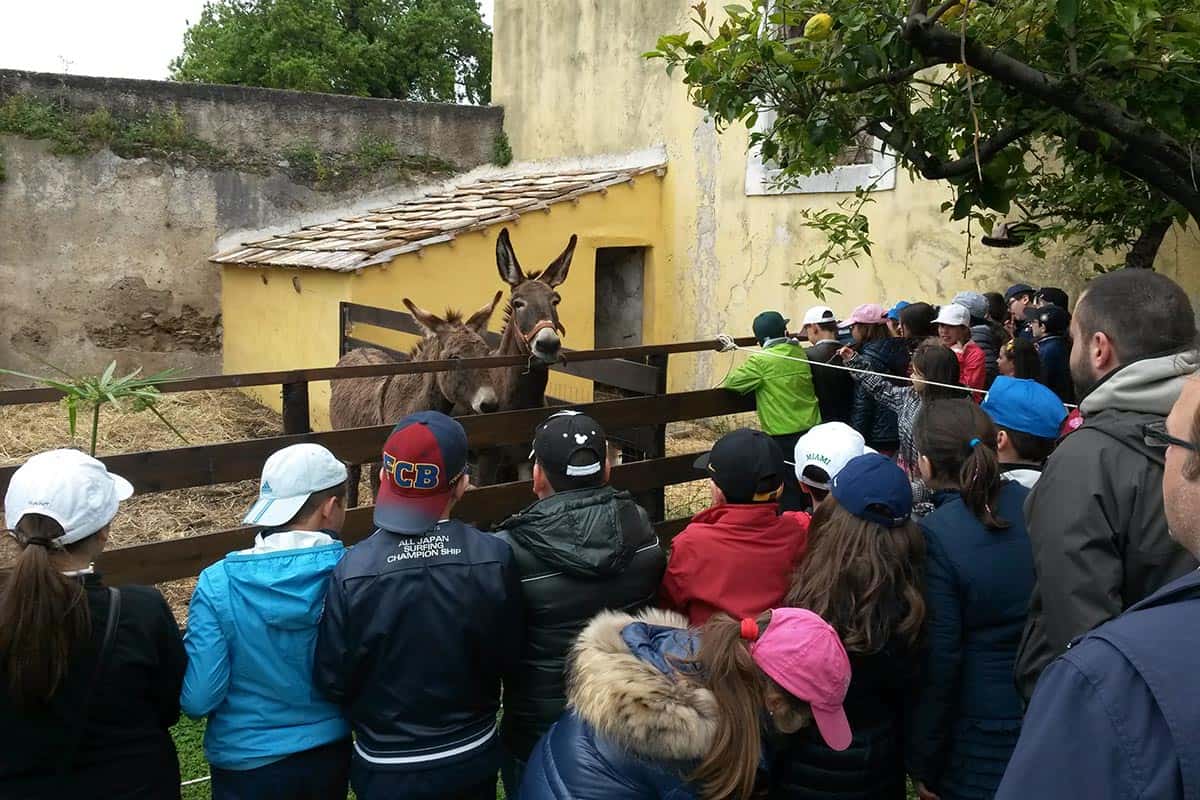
x=1081, y=117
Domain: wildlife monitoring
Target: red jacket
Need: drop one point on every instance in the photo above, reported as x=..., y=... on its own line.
x=972, y=369
x=738, y=559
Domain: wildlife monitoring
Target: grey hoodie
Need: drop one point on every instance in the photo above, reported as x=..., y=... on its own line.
x=1095, y=518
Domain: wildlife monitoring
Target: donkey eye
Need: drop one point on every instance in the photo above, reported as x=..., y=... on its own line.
x=518, y=304
x=556, y=299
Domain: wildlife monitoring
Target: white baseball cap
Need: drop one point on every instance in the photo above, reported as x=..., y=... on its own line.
x=288, y=478
x=68, y=486
x=830, y=446
x=818, y=315
x=953, y=314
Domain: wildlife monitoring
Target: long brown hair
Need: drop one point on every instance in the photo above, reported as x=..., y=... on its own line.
x=939, y=364
x=862, y=578
x=959, y=440
x=43, y=616
x=739, y=688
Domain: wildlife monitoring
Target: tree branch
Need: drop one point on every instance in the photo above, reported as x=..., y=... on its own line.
x=897, y=76
x=933, y=168
x=1145, y=249
x=942, y=9
x=1140, y=165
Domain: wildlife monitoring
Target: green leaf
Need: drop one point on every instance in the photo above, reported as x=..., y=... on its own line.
x=108, y=372
x=1066, y=13
x=963, y=205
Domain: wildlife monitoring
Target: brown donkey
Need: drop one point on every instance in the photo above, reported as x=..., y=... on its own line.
x=531, y=328
x=384, y=400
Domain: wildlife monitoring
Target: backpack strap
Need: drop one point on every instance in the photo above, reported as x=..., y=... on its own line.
x=106, y=645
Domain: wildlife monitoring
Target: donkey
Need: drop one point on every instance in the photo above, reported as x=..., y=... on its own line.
x=383, y=400
x=531, y=328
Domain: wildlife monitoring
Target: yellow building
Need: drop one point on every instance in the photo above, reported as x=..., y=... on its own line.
x=570, y=76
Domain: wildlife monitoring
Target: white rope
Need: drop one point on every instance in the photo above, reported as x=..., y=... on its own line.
x=195, y=781
x=844, y=368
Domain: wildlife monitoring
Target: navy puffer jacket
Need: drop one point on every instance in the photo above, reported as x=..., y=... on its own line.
x=874, y=421
x=612, y=744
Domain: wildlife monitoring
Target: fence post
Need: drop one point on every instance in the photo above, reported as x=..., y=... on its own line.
x=295, y=408
x=343, y=329
x=657, y=498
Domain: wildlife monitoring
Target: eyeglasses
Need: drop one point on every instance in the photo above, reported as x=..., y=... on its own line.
x=1154, y=434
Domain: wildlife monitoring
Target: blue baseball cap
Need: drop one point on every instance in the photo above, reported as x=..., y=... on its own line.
x=873, y=488
x=1025, y=406
x=424, y=455
x=894, y=312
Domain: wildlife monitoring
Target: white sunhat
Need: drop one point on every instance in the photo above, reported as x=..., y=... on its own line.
x=953, y=314
x=71, y=488
x=818, y=315
x=289, y=477
x=830, y=446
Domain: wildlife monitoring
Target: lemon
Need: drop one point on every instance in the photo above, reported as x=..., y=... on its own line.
x=954, y=12
x=818, y=27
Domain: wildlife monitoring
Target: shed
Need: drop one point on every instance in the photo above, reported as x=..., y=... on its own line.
x=281, y=294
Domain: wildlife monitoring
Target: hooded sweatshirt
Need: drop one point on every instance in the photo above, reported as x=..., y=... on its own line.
x=578, y=553
x=1095, y=518
x=252, y=628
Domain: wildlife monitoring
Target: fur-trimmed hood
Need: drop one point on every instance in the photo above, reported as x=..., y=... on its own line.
x=628, y=700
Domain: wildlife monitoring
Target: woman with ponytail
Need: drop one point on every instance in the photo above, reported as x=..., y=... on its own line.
x=660, y=711
x=862, y=575
x=89, y=676
x=979, y=577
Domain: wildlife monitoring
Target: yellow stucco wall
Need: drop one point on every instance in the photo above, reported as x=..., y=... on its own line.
x=277, y=318
x=571, y=79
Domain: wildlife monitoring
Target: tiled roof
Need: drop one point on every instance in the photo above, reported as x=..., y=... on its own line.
x=351, y=243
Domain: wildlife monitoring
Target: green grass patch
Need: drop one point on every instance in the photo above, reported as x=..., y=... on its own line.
x=372, y=155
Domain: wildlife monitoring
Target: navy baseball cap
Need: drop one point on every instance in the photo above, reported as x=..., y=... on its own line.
x=1025, y=406
x=1055, y=319
x=424, y=455
x=873, y=488
x=769, y=325
x=1018, y=288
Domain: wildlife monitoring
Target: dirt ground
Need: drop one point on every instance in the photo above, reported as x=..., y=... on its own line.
x=213, y=417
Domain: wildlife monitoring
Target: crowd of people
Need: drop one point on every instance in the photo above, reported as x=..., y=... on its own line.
x=923, y=568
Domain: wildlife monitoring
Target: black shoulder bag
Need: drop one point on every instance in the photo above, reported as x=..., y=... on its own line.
x=110, y=633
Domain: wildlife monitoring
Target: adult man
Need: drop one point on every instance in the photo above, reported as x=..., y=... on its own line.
x=1052, y=296
x=834, y=387
x=252, y=627
x=1095, y=518
x=582, y=548
x=1018, y=297
x=782, y=382
x=1028, y=417
x=982, y=333
x=1116, y=715
x=421, y=622
x=1049, y=325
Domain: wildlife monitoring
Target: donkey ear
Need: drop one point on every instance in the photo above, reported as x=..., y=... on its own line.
x=556, y=273
x=478, y=321
x=428, y=322
x=506, y=260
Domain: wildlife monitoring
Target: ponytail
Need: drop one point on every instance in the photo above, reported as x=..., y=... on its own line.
x=959, y=440
x=43, y=616
x=738, y=686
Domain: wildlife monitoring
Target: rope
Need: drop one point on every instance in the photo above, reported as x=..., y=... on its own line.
x=194, y=781
x=871, y=372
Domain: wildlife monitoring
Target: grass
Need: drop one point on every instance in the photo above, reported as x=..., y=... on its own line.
x=371, y=155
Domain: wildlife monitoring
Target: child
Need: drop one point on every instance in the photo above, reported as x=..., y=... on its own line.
x=882, y=354
x=979, y=575
x=1029, y=417
x=738, y=556
x=820, y=456
x=954, y=329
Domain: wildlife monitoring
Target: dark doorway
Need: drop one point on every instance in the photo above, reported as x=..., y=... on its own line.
x=620, y=280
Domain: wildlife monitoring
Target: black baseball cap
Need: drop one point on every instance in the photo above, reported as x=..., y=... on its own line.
x=572, y=449
x=1055, y=319
x=747, y=466
x=1054, y=296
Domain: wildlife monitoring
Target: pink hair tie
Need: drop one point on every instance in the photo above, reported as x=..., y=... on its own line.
x=749, y=629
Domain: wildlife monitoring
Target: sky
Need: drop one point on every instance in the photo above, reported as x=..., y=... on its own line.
x=113, y=38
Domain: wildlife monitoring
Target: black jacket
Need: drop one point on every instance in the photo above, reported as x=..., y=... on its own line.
x=984, y=335
x=126, y=749
x=834, y=387
x=882, y=689
x=875, y=422
x=579, y=553
x=415, y=637
x=1055, y=355
x=1095, y=517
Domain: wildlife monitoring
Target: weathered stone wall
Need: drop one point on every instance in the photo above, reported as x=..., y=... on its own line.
x=103, y=257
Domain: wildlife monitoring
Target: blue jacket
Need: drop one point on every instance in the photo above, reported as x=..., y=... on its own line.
x=876, y=422
x=1117, y=716
x=252, y=626
x=417, y=633
x=613, y=744
x=977, y=588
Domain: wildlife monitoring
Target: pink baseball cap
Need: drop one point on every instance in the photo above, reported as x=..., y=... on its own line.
x=867, y=314
x=804, y=655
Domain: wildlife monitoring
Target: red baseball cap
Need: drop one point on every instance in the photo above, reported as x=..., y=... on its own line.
x=424, y=455
x=804, y=655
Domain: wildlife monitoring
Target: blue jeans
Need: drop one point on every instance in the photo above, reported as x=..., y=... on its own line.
x=322, y=773
x=511, y=772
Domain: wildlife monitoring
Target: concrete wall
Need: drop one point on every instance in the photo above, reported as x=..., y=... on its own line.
x=103, y=257
x=572, y=81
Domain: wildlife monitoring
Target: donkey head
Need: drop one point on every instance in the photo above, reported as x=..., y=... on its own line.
x=533, y=307
x=451, y=338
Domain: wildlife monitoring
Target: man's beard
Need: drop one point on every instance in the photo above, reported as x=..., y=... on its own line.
x=1081, y=379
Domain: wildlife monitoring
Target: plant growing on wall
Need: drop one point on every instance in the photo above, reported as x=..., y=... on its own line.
x=430, y=50
x=129, y=393
x=1081, y=117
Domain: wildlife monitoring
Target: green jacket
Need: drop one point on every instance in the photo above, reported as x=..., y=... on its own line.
x=783, y=389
